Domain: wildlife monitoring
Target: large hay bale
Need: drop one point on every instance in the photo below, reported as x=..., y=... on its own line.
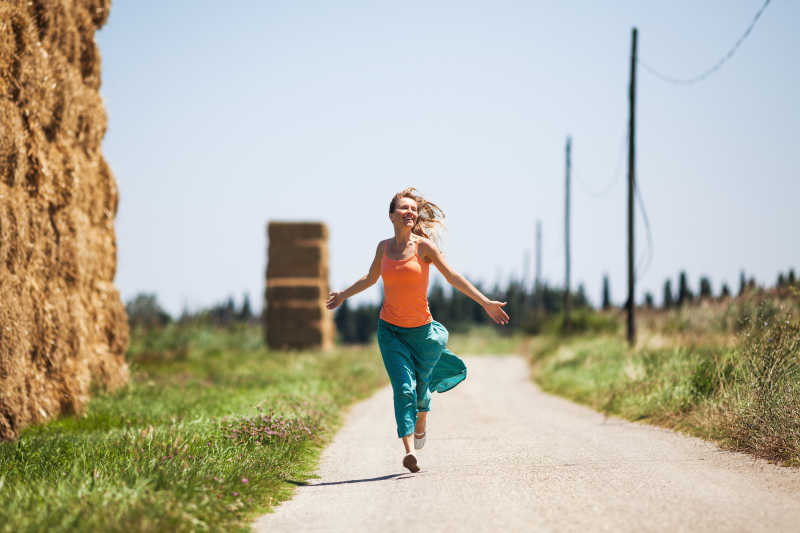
x=62, y=322
x=297, y=286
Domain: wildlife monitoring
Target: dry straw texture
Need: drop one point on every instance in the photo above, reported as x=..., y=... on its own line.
x=62, y=323
x=297, y=286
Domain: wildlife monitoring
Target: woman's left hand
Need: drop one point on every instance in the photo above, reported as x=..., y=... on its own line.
x=495, y=310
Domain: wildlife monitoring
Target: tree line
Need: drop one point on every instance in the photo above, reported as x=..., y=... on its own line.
x=144, y=310
x=529, y=307
x=683, y=294
x=526, y=306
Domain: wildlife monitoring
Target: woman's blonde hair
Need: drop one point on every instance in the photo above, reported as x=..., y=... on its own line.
x=430, y=217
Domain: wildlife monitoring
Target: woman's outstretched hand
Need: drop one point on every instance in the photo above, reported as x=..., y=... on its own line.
x=334, y=300
x=495, y=310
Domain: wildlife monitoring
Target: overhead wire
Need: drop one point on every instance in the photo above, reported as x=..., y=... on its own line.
x=615, y=177
x=708, y=72
x=647, y=261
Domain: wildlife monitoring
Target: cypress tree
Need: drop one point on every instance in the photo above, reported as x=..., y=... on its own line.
x=781, y=280
x=345, y=323
x=668, y=297
x=460, y=307
x=606, y=293
x=791, y=279
x=437, y=302
x=742, y=283
x=245, y=313
x=684, y=294
x=366, y=322
x=477, y=314
x=580, y=299
x=705, y=288
x=725, y=292
x=648, y=299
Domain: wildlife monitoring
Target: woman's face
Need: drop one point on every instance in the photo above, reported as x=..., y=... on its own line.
x=405, y=213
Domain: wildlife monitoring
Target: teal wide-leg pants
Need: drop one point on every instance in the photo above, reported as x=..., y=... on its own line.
x=418, y=363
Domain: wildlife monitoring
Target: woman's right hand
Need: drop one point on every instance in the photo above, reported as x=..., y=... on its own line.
x=335, y=299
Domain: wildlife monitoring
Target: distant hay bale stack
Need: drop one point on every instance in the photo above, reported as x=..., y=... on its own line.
x=62, y=322
x=297, y=286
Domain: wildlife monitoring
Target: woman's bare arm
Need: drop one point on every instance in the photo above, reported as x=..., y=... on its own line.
x=335, y=299
x=428, y=250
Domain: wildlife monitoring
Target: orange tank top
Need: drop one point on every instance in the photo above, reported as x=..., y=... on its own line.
x=405, y=291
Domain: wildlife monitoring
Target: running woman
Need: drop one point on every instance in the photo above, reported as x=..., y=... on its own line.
x=412, y=343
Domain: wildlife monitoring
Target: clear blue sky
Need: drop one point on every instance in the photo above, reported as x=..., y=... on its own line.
x=222, y=117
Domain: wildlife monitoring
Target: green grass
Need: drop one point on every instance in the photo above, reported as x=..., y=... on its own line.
x=655, y=384
x=744, y=393
x=486, y=340
x=204, y=437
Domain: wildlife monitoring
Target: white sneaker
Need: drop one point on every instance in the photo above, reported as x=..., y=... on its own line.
x=410, y=462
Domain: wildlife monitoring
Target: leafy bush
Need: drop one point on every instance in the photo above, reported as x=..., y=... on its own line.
x=145, y=311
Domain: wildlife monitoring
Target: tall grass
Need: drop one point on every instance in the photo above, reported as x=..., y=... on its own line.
x=729, y=372
x=766, y=395
x=203, y=439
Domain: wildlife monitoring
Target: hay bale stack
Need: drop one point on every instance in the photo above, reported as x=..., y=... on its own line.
x=297, y=286
x=62, y=323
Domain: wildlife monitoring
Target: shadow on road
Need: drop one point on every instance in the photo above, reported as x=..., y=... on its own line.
x=348, y=481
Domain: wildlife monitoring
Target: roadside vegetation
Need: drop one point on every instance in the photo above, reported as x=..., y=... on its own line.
x=204, y=438
x=726, y=370
x=214, y=428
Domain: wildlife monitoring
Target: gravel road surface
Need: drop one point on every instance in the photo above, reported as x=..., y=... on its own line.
x=503, y=456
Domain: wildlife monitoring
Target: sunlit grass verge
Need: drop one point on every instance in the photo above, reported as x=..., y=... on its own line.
x=205, y=437
x=486, y=340
x=745, y=395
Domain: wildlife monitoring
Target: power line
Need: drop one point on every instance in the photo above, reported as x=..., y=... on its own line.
x=702, y=76
x=648, y=257
x=615, y=178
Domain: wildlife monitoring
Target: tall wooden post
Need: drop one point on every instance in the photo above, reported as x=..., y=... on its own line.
x=566, y=239
x=631, y=304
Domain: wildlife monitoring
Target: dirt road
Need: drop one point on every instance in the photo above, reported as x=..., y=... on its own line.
x=503, y=456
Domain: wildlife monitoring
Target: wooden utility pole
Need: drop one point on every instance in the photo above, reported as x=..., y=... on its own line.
x=631, y=304
x=566, y=238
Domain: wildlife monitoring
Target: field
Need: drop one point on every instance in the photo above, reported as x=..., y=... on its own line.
x=204, y=438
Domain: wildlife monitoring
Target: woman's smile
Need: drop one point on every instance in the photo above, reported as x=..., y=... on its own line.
x=406, y=212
